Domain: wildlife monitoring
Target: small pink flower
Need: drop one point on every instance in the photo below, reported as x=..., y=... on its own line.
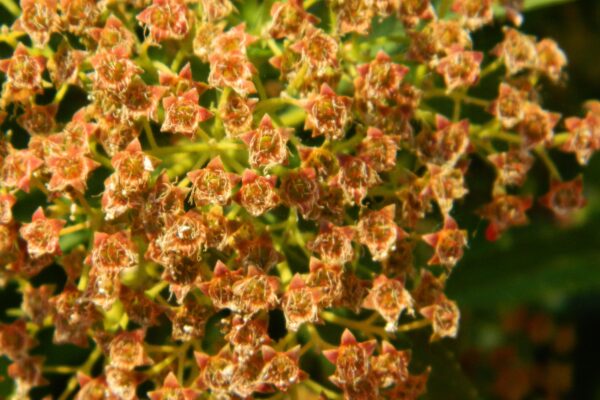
x=444, y=316
x=232, y=70
x=446, y=145
x=551, y=59
x=112, y=253
x=235, y=40
x=113, y=34
x=212, y=184
x=351, y=360
x=171, y=389
x=70, y=170
x=267, y=145
x=378, y=231
x=300, y=304
x=503, y=212
x=42, y=235
x=300, y=189
x=511, y=166
x=389, y=298
x=328, y=114
x=289, y=19
x=140, y=100
x=537, y=125
x=281, y=369
x=23, y=74
x=165, y=19
x=39, y=19
x=564, y=198
x=133, y=167
x=257, y=194
x=448, y=244
x=318, y=50
x=508, y=107
x=584, y=136
x=518, y=51
x=474, y=13
x=379, y=150
x=460, y=68
x=334, y=243
x=114, y=70
x=183, y=114
x=355, y=177
x=18, y=167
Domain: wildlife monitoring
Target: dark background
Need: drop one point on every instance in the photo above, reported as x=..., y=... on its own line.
x=544, y=268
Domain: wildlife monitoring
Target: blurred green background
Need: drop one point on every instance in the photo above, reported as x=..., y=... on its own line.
x=543, y=279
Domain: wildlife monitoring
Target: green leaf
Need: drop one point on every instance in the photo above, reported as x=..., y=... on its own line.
x=447, y=379
x=532, y=264
x=533, y=4
x=530, y=5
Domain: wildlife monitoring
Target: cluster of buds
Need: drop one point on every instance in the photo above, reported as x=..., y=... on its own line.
x=219, y=174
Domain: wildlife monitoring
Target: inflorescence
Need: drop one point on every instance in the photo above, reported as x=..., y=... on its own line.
x=239, y=175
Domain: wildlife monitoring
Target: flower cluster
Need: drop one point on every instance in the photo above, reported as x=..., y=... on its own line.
x=232, y=188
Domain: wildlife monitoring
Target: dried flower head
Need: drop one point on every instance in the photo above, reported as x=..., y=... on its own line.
x=334, y=243
x=257, y=193
x=444, y=316
x=42, y=235
x=378, y=231
x=351, y=360
x=564, y=198
x=212, y=184
x=390, y=299
x=165, y=19
x=289, y=19
x=171, y=389
x=281, y=369
x=23, y=74
x=448, y=244
x=183, y=114
x=267, y=144
x=300, y=303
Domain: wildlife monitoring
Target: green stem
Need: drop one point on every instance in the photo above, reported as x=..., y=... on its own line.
x=260, y=88
x=60, y=369
x=309, y=3
x=320, y=389
x=272, y=104
x=195, y=148
x=61, y=93
x=150, y=135
x=501, y=135
x=411, y=326
x=11, y=7
x=358, y=325
x=156, y=289
x=85, y=368
x=491, y=67
x=456, y=110
x=293, y=117
x=444, y=8
x=168, y=360
x=104, y=161
x=545, y=157
x=11, y=37
x=437, y=92
x=74, y=228
x=274, y=47
x=560, y=138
